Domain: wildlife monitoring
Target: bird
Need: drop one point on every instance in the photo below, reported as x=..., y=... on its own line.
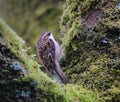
x=48, y=52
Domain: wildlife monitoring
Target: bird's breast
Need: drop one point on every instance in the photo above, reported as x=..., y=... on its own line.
x=57, y=51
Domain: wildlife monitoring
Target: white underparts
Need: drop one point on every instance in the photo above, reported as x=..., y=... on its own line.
x=57, y=49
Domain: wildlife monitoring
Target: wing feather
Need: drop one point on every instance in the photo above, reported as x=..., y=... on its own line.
x=46, y=52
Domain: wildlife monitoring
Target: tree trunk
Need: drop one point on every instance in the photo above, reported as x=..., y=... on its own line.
x=91, y=37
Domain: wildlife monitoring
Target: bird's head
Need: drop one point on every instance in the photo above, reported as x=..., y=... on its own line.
x=47, y=35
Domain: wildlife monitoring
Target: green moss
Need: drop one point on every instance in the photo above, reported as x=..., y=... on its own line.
x=92, y=55
x=47, y=89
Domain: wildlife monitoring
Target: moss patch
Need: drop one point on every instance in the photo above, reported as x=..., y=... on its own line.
x=92, y=56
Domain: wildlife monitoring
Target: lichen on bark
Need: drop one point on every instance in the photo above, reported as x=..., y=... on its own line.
x=91, y=37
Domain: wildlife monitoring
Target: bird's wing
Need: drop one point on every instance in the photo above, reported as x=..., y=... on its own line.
x=48, y=55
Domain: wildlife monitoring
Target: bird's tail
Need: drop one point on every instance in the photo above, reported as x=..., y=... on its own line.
x=61, y=74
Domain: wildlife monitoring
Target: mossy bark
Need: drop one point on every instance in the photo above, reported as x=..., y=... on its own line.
x=22, y=81
x=91, y=37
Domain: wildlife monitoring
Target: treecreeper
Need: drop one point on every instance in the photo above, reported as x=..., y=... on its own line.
x=49, y=53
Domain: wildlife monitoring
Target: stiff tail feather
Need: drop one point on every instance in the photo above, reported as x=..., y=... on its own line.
x=61, y=74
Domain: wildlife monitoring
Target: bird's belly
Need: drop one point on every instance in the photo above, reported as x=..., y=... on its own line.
x=57, y=51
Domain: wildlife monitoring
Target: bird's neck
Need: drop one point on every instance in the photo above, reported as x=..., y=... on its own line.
x=51, y=37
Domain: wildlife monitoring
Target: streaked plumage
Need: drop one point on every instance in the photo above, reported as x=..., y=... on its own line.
x=48, y=51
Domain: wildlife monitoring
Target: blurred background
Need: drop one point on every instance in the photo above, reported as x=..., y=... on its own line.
x=30, y=18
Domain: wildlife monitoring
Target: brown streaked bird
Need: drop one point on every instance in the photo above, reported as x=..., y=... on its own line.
x=48, y=51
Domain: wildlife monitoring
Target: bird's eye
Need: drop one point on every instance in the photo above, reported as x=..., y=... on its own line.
x=48, y=34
